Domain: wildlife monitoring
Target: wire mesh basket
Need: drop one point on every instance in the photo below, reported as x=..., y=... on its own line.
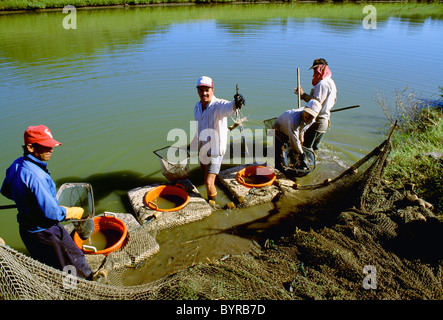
x=174, y=162
x=269, y=123
x=291, y=163
x=79, y=195
x=293, y=166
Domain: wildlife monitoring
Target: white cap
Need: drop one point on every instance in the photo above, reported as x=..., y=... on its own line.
x=205, y=81
x=313, y=107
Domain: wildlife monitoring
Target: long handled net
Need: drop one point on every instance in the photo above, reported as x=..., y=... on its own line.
x=174, y=162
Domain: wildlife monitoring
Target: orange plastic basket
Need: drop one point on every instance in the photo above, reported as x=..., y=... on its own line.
x=256, y=176
x=114, y=230
x=177, y=191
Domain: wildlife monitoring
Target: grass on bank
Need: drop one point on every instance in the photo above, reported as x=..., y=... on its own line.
x=417, y=155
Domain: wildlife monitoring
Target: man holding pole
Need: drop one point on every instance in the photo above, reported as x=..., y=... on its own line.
x=212, y=130
x=325, y=92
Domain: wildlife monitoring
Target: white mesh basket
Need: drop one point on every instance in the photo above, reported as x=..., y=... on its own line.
x=174, y=162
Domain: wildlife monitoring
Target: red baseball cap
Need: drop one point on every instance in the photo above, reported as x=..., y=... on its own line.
x=40, y=135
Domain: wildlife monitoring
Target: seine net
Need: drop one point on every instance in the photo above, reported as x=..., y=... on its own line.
x=318, y=242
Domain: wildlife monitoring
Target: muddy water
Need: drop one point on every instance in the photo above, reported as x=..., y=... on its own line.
x=97, y=240
x=111, y=92
x=166, y=202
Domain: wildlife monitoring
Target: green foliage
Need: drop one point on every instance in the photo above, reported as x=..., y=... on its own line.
x=417, y=155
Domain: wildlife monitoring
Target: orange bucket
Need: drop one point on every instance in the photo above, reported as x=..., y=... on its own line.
x=256, y=176
x=112, y=230
x=173, y=198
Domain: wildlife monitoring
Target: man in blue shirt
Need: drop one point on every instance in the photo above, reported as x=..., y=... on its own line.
x=29, y=183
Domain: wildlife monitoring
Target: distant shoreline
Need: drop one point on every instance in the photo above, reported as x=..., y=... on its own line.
x=21, y=6
x=109, y=6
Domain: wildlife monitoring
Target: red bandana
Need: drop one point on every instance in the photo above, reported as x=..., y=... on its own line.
x=320, y=72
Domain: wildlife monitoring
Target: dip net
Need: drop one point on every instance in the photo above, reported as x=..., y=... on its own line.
x=288, y=161
x=79, y=195
x=319, y=243
x=174, y=162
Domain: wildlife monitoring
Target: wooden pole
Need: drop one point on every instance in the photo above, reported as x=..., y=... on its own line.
x=298, y=86
x=341, y=109
x=10, y=206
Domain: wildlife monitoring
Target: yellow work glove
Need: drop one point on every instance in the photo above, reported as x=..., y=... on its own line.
x=74, y=212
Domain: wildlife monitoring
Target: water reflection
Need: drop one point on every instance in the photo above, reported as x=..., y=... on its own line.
x=28, y=38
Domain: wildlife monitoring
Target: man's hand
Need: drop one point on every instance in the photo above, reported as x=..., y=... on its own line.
x=239, y=100
x=74, y=212
x=303, y=96
x=296, y=91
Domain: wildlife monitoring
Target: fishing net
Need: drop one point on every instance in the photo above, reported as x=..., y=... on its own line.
x=321, y=241
x=174, y=162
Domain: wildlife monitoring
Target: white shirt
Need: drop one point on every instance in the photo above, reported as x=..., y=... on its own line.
x=212, y=123
x=325, y=92
x=291, y=123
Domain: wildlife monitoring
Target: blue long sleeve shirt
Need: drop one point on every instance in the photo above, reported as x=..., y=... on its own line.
x=29, y=183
